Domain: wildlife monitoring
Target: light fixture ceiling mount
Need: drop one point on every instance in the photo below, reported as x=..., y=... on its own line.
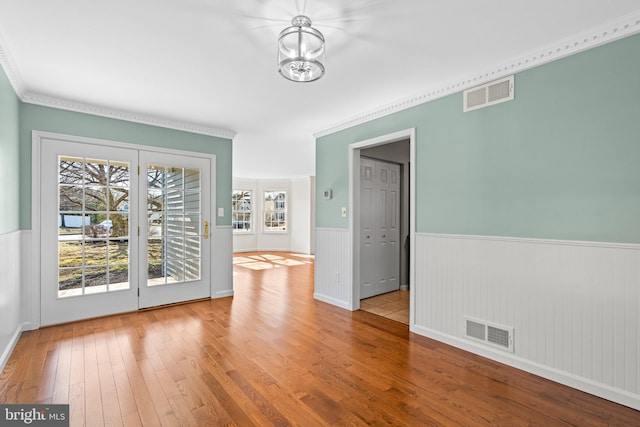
x=301, y=51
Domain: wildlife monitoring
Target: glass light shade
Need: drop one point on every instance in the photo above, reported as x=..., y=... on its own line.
x=301, y=51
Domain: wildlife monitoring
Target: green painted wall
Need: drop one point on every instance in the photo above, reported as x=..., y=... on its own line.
x=9, y=157
x=34, y=117
x=561, y=161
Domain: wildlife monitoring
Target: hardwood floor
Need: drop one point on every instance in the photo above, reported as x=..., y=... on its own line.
x=272, y=355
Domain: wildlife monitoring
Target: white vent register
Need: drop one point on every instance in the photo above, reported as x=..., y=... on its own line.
x=489, y=333
x=488, y=94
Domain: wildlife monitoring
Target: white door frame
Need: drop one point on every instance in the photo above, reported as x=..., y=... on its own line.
x=354, y=209
x=32, y=293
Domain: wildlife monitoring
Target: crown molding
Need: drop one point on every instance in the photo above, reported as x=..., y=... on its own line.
x=48, y=101
x=9, y=70
x=606, y=33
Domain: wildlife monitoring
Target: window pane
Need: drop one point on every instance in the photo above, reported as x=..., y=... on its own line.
x=175, y=270
x=192, y=269
x=155, y=177
x=118, y=226
x=155, y=273
x=174, y=178
x=96, y=172
x=71, y=171
x=192, y=180
x=95, y=278
x=69, y=253
x=95, y=198
x=70, y=198
x=241, y=210
x=119, y=175
x=155, y=248
x=118, y=252
x=275, y=209
x=192, y=201
x=69, y=278
x=118, y=277
x=95, y=253
x=192, y=225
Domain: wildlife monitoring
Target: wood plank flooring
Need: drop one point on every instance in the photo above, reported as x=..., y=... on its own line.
x=272, y=355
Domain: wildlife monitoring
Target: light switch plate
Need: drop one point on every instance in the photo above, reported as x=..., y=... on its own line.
x=220, y=211
x=344, y=212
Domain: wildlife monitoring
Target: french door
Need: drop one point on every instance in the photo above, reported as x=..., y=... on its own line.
x=121, y=229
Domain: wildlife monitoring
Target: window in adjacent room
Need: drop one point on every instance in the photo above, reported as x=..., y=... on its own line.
x=241, y=211
x=275, y=211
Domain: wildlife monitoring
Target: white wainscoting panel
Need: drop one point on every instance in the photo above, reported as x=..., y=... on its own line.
x=574, y=306
x=29, y=293
x=222, y=262
x=11, y=288
x=332, y=282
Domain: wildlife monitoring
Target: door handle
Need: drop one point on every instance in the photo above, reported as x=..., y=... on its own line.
x=206, y=230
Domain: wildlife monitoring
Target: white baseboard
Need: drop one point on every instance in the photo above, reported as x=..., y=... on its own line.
x=332, y=301
x=6, y=354
x=223, y=294
x=239, y=251
x=579, y=383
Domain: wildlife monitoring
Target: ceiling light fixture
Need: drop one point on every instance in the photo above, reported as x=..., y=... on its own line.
x=301, y=51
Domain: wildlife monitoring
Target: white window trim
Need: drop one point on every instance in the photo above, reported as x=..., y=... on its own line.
x=286, y=212
x=252, y=211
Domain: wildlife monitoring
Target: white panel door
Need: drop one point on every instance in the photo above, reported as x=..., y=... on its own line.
x=88, y=250
x=380, y=228
x=368, y=250
x=175, y=225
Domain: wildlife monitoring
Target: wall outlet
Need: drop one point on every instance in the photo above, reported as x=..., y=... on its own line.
x=344, y=212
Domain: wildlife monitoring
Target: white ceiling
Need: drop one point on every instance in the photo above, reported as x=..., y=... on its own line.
x=211, y=64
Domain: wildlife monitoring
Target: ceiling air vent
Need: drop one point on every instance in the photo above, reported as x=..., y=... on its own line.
x=489, y=333
x=488, y=94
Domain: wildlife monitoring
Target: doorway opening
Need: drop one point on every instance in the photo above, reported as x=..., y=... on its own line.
x=383, y=224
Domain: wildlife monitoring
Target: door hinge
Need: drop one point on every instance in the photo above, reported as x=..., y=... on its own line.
x=138, y=169
x=138, y=291
x=138, y=230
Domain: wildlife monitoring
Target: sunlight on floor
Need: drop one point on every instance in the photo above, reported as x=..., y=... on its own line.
x=268, y=261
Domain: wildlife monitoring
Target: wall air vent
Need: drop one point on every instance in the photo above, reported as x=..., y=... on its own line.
x=489, y=333
x=488, y=94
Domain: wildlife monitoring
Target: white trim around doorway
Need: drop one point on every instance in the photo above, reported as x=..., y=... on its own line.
x=354, y=209
x=33, y=304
